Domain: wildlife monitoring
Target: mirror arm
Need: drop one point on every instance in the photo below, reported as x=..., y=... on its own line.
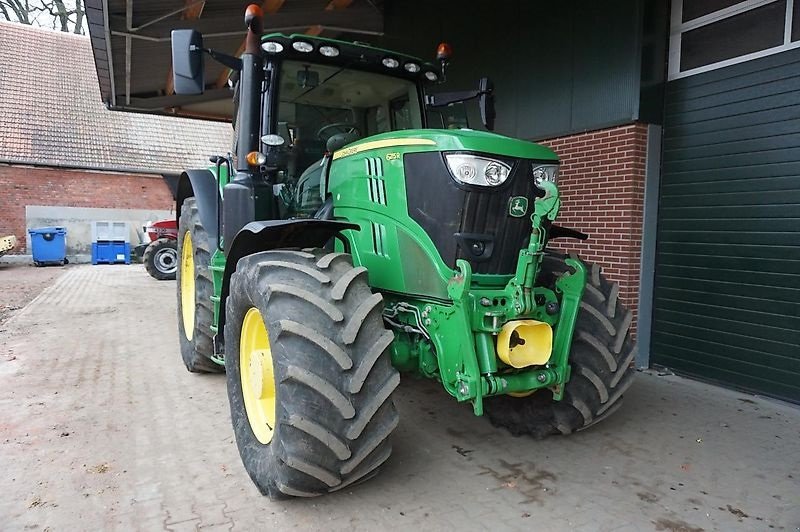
x=229, y=61
x=447, y=98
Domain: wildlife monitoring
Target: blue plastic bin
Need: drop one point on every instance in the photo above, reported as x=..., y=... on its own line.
x=48, y=245
x=111, y=252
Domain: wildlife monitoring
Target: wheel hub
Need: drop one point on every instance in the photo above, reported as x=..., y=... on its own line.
x=166, y=260
x=258, y=376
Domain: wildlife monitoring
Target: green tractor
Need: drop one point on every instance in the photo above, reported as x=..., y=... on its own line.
x=347, y=241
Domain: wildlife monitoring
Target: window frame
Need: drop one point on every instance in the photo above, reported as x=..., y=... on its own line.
x=678, y=28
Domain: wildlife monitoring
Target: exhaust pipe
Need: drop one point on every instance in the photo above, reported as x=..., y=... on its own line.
x=248, y=119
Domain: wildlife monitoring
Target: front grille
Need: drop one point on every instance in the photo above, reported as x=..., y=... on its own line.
x=460, y=220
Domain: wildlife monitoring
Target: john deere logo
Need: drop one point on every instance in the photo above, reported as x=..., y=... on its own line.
x=518, y=206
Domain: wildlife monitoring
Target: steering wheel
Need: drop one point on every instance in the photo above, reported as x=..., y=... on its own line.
x=345, y=127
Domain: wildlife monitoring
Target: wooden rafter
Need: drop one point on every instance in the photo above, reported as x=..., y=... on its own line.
x=332, y=5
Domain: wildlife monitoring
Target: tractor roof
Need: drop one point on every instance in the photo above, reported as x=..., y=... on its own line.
x=357, y=55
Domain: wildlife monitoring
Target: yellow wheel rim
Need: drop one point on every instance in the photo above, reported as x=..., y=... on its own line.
x=258, y=376
x=187, y=286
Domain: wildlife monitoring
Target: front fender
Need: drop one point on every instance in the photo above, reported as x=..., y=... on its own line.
x=203, y=186
x=275, y=234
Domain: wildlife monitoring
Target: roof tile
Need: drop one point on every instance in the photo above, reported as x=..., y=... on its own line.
x=51, y=112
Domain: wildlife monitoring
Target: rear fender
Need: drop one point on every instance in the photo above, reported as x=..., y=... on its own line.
x=275, y=234
x=203, y=186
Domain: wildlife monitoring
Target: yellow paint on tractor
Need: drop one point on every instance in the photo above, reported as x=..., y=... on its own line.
x=258, y=376
x=377, y=144
x=187, y=286
x=533, y=343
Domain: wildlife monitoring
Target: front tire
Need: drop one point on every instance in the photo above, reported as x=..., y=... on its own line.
x=310, y=396
x=161, y=259
x=601, y=356
x=195, y=288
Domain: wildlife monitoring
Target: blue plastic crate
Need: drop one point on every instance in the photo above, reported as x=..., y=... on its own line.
x=111, y=253
x=48, y=245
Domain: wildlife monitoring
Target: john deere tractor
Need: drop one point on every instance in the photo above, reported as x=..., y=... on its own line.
x=357, y=233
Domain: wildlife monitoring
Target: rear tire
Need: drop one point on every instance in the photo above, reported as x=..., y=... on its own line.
x=333, y=379
x=197, y=345
x=601, y=356
x=161, y=259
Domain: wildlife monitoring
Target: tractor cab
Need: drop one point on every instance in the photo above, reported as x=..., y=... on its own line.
x=322, y=104
x=322, y=95
x=317, y=95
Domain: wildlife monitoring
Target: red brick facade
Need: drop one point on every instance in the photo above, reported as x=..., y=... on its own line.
x=27, y=185
x=602, y=183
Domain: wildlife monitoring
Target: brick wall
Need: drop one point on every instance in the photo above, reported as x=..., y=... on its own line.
x=602, y=183
x=26, y=185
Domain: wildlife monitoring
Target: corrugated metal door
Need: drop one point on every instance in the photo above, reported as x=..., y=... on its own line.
x=727, y=287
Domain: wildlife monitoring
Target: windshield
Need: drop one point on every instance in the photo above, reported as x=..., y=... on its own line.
x=316, y=102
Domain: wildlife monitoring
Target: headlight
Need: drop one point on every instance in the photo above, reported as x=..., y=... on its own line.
x=272, y=47
x=303, y=46
x=476, y=170
x=329, y=51
x=273, y=140
x=545, y=172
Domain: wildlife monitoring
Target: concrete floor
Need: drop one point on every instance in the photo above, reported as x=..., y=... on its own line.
x=101, y=428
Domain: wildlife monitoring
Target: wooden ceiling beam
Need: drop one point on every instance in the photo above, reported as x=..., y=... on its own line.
x=332, y=5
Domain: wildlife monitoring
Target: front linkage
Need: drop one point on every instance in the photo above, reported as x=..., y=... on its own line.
x=456, y=342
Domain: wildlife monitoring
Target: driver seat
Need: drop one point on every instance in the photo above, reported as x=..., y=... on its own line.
x=341, y=140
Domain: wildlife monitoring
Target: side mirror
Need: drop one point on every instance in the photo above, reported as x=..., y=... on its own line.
x=486, y=103
x=187, y=62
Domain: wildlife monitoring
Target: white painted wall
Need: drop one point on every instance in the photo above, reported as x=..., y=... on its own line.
x=78, y=222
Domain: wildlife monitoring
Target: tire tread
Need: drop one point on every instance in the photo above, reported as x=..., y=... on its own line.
x=601, y=357
x=335, y=430
x=197, y=353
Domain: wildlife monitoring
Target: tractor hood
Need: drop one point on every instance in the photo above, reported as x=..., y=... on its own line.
x=451, y=140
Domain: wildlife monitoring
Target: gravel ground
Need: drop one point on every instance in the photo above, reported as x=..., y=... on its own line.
x=20, y=283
